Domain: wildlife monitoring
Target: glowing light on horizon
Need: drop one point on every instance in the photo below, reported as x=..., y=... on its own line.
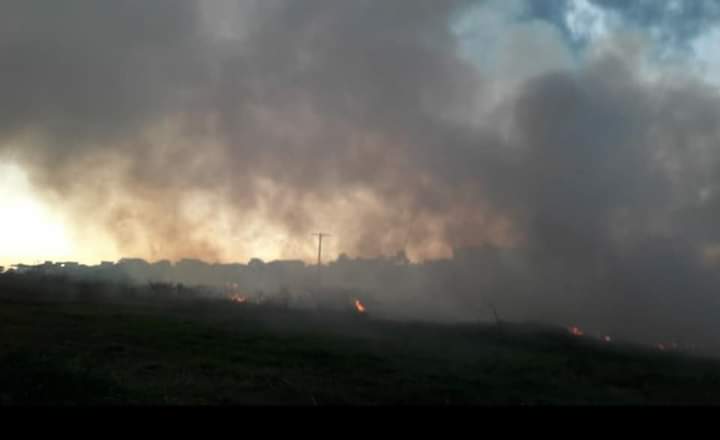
x=29, y=230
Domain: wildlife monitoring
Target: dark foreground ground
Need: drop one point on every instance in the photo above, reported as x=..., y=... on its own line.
x=219, y=353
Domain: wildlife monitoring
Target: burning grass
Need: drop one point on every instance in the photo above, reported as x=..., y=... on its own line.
x=213, y=353
x=575, y=331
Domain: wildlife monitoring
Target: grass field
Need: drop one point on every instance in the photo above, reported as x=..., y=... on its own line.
x=220, y=353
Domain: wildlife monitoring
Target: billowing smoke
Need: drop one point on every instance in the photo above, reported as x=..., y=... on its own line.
x=221, y=130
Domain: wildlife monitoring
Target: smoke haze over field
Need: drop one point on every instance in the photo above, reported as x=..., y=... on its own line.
x=578, y=139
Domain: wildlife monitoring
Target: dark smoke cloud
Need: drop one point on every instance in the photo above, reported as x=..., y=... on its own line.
x=86, y=72
x=596, y=188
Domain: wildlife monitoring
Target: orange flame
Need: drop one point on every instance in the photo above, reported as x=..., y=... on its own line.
x=238, y=299
x=359, y=306
x=575, y=331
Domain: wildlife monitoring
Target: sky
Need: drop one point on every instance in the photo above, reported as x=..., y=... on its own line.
x=571, y=131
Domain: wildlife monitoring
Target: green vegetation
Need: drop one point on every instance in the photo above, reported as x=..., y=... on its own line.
x=219, y=353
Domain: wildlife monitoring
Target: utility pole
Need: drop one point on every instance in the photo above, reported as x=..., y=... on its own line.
x=320, y=236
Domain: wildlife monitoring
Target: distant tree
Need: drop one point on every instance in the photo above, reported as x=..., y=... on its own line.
x=256, y=263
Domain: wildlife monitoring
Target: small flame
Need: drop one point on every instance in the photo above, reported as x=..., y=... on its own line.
x=359, y=306
x=238, y=299
x=607, y=339
x=575, y=331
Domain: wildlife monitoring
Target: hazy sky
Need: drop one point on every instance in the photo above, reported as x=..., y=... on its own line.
x=222, y=129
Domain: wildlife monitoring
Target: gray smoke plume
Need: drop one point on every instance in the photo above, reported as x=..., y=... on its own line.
x=201, y=128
